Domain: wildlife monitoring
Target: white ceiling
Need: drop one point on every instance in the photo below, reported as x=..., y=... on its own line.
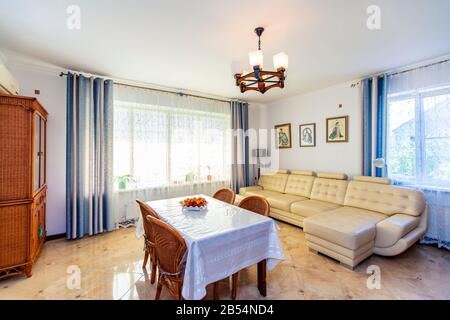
x=190, y=44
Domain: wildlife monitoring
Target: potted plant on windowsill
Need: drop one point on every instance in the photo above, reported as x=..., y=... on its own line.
x=209, y=176
x=190, y=177
x=124, y=180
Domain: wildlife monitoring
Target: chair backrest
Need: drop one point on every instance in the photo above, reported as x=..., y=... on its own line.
x=169, y=244
x=225, y=194
x=145, y=211
x=256, y=204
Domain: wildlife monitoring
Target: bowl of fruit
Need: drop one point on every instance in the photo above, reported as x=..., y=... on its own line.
x=194, y=204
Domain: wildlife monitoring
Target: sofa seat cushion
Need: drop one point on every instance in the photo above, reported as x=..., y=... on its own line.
x=244, y=190
x=284, y=201
x=392, y=229
x=346, y=226
x=262, y=193
x=309, y=208
x=239, y=198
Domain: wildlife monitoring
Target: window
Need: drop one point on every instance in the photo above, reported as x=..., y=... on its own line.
x=165, y=140
x=418, y=136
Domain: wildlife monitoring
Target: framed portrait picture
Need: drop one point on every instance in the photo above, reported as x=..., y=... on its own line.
x=307, y=133
x=337, y=129
x=283, y=136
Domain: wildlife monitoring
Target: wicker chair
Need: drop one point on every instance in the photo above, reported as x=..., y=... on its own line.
x=149, y=239
x=225, y=194
x=171, y=253
x=258, y=205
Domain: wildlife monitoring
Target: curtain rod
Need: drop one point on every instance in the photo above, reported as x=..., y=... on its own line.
x=418, y=67
x=393, y=73
x=118, y=82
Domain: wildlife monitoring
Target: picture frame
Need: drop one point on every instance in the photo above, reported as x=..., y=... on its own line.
x=283, y=137
x=307, y=135
x=337, y=129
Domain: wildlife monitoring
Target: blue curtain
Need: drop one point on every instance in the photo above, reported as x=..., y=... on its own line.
x=88, y=156
x=240, y=176
x=374, y=110
x=367, y=127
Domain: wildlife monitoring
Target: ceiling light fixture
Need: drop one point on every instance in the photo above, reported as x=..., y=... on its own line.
x=261, y=80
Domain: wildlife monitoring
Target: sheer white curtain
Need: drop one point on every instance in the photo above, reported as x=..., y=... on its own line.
x=418, y=140
x=167, y=145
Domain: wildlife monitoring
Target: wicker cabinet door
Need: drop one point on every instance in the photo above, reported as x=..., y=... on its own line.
x=34, y=239
x=36, y=152
x=15, y=139
x=14, y=235
x=43, y=152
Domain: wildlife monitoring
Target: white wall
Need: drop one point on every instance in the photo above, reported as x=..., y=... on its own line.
x=53, y=98
x=315, y=107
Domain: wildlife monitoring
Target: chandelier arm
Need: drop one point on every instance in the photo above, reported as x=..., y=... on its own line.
x=276, y=85
x=251, y=89
x=251, y=83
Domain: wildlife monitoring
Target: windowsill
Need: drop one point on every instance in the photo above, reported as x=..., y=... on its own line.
x=174, y=186
x=425, y=187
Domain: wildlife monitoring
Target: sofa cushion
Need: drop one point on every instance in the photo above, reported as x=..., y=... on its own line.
x=238, y=198
x=273, y=182
x=332, y=175
x=251, y=188
x=284, y=201
x=329, y=190
x=309, y=208
x=299, y=185
x=303, y=172
x=346, y=226
x=392, y=229
x=372, y=179
x=385, y=199
x=262, y=193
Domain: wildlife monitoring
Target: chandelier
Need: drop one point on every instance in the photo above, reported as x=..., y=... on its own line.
x=261, y=80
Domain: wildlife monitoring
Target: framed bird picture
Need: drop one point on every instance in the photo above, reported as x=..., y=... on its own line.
x=307, y=135
x=283, y=136
x=337, y=129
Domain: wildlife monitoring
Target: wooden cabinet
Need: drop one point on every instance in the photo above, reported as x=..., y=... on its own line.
x=23, y=189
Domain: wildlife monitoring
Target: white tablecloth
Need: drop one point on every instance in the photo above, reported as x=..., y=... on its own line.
x=221, y=241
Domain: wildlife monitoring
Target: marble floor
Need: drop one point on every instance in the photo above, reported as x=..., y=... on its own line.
x=110, y=266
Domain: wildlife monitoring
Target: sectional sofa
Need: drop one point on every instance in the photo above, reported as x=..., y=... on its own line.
x=345, y=220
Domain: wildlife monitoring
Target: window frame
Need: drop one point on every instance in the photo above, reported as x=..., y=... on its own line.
x=168, y=111
x=418, y=96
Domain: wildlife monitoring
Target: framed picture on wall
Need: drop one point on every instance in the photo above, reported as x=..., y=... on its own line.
x=337, y=129
x=307, y=133
x=283, y=136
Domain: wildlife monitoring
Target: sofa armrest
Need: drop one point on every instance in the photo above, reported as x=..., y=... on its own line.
x=392, y=229
x=251, y=188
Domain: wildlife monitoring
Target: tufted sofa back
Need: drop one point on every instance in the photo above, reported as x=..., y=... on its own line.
x=329, y=190
x=273, y=182
x=384, y=198
x=300, y=184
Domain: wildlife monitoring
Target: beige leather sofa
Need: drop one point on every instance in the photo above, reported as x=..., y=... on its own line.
x=345, y=220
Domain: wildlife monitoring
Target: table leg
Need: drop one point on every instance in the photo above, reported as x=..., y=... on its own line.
x=262, y=272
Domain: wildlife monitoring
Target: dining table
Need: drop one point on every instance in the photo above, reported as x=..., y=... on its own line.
x=222, y=239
